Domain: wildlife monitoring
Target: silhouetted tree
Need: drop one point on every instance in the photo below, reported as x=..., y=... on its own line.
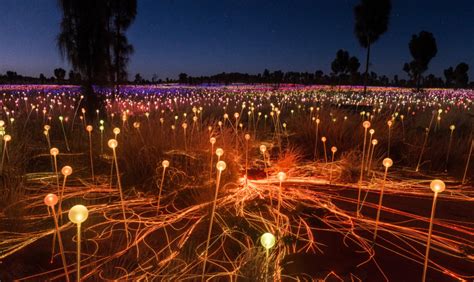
x=343, y=65
x=59, y=73
x=183, y=78
x=42, y=78
x=461, y=77
x=90, y=31
x=138, y=79
x=123, y=13
x=449, y=76
x=371, y=21
x=423, y=49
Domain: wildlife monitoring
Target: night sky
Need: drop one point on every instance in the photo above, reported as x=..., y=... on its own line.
x=207, y=37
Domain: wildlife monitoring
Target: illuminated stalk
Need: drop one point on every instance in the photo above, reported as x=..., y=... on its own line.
x=389, y=137
x=247, y=138
x=64, y=133
x=427, y=130
x=51, y=200
x=78, y=252
x=221, y=165
x=281, y=178
x=467, y=163
x=78, y=214
x=369, y=167
x=212, y=140
x=66, y=171
x=333, y=151
x=449, y=146
x=165, y=164
x=3, y=155
x=89, y=130
x=323, y=139
x=315, y=155
x=437, y=186
x=365, y=124
x=387, y=162
x=75, y=113
x=113, y=144
x=371, y=132
x=60, y=241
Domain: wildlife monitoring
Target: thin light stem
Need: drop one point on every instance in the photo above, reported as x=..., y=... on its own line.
x=428, y=244
x=119, y=182
x=60, y=241
x=380, y=204
x=210, y=224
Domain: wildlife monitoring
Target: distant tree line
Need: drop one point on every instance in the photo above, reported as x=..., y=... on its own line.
x=344, y=71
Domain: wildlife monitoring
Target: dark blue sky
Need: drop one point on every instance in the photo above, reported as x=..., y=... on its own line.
x=202, y=37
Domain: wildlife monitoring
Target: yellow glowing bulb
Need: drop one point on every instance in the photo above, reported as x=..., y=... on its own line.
x=7, y=138
x=437, y=186
x=452, y=127
x=219, y=152
x=165, y=163
x=78, y=214
x=247, y=137
x=387, y=162
x=323, y=139
x=212, y=140
x=366, y=124
x=54, y=151
x=263, y=148
x=221, y=165
x=333, y=149
x=89, y=128
x=267, y=240
x=112, y=143
x=66, y=170
x=281, y=176
x=375, y=142
x=116, y=131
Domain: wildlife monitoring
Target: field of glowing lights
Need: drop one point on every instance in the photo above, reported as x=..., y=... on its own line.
x=181, y=184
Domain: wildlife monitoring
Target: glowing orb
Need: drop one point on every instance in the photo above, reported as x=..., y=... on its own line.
x=112, y=143
x=437, y=186
x=66, y=170
x=54, y=151
x=387, y=162
x=78, y=214
x=221, y=165
x=267, y=240
x=50, y=200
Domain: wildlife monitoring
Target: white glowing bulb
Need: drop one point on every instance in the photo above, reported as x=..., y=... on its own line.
x=267, y=240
